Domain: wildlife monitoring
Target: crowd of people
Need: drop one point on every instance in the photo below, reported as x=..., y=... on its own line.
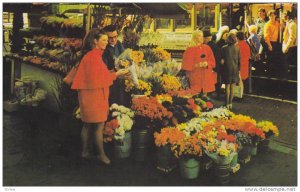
x=235, y=51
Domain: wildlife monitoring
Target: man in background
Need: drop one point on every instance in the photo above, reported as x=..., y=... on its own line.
x=113, y=50
x=289, y=45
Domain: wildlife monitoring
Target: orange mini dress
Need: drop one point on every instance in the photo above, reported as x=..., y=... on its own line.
x=201, y=79
x=92, y=81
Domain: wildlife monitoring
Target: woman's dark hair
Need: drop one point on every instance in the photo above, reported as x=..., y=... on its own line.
x=88, y=41
x=231, y=39
x=240, y=35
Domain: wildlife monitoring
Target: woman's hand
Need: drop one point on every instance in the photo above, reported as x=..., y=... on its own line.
x=204, y=64
x=122, y=72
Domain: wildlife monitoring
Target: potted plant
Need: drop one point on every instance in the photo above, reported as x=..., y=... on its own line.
x=164, y=140
x=270, y=130
x=119, y=130
x=149, y=117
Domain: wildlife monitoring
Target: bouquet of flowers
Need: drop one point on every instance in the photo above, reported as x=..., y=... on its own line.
x=162, y=54
x=181, y=144
x=219, y=145
x=125, y=60
x=218, y=113
x=168, y=136
x=143, y=87
x=150, y=109
x=137, y=57
x=169, y=67
x=122, y=121
x=268, y=128
x=191, y=127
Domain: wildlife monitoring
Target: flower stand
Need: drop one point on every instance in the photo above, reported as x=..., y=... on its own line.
x=234, y=165
x=141, y=141
x=189, y=168
x=244, y=155
x=166, y=161
x=122, y=149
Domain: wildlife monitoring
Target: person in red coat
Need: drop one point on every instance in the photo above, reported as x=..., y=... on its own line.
x=244, y=59
x=92, y=81
x=198, y=61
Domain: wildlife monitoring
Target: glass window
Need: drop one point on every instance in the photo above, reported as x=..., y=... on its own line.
x=183, y=23
x=206, y=15
x=163, y=23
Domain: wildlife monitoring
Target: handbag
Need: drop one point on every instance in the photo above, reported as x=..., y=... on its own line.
x=71, y=74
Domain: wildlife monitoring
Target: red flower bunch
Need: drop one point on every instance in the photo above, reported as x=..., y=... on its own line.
x=150, y=108
x=183, y=93
x=224, y=136
x=168, y=135
x=209, y=105
x=109, y=129
x=252, y=130
x=191, y=104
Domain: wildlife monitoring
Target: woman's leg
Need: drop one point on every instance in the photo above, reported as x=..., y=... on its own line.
x=242, y=87
x=99, y=139
x=227, y=87
x=85, y=137
x=231, y=94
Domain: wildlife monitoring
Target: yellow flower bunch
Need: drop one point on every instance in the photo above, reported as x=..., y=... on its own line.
x=225, y=148
x=124, y=63
x=181, y=126
x=137, y=56
x=190, y=145
x=162, y=54
x=223, y=151
x=170, y=83
x=144, y=87
x=243, y=118
x=163, y=98
x=267, y=126
x=129, y=85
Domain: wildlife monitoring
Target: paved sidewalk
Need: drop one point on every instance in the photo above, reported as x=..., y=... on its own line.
x=44, y=151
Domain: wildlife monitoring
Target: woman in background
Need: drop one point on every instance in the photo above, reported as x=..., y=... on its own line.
x=198, y=61
x=231, y=61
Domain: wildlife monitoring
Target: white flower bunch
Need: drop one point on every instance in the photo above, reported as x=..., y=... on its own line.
x=192, y=126
x=124, y=116
x=218, y=113
x=120, y=109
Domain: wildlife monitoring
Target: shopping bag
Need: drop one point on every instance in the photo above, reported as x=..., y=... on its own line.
x=238, y=91
x=70, y=76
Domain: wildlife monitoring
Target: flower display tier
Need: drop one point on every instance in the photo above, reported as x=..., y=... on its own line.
x=183, y=127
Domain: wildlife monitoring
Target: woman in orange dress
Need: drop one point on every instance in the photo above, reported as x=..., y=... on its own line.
x=92, y=81
x=198, y=61
x=244, y=59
